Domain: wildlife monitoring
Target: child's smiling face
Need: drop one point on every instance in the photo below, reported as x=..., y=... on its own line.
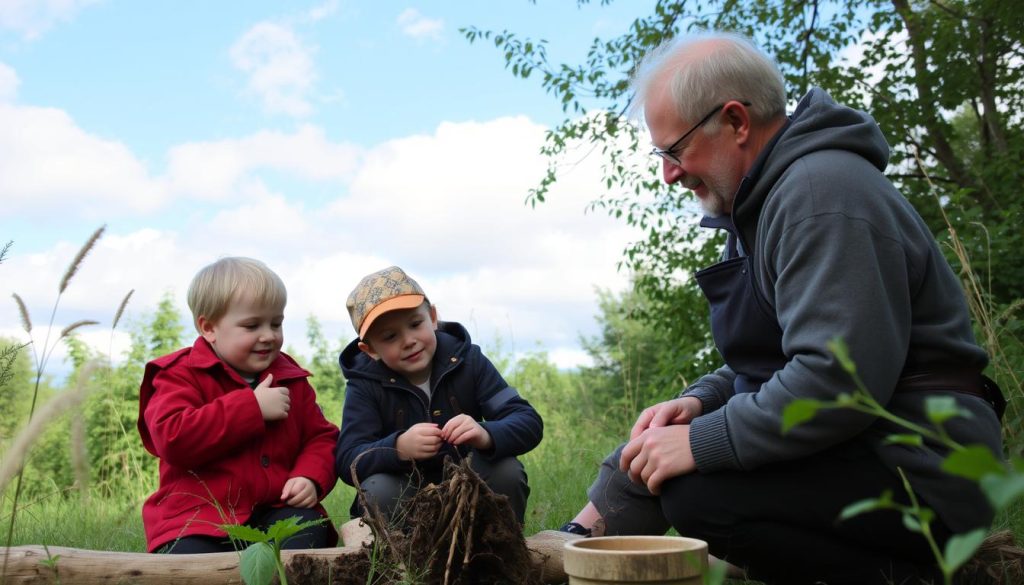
x=248, y=336
x=405, y=341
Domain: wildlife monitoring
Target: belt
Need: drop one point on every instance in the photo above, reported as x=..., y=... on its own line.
x=963, y=381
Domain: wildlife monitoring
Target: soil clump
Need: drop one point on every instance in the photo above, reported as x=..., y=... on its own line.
x=457, y=532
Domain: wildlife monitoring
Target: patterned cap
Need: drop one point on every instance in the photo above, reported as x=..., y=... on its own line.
x=386, y=290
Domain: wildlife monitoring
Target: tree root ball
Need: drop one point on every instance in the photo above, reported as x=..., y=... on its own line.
x=457, y=532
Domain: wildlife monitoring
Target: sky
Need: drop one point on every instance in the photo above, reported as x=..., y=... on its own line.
x=327, y=139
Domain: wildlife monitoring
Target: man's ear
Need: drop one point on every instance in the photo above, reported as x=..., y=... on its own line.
x=738, y=119
x=365, y=348
x=206, y=329
x=433, y=317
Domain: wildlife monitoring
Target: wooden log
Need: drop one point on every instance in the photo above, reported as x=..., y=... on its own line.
x=29, y=564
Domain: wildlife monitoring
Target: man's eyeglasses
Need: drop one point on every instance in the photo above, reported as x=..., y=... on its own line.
x=669, y=154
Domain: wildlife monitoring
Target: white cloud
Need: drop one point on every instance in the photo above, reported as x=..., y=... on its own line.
x=448, y=211
x=321, y=11
x=453, y=213
x=417, y=26
x=214, y=170
x=280, y=68
x=48, y=162
x=8, y=83
x=32, y=18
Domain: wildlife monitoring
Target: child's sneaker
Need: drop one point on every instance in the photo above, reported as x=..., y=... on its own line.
x=574, y=528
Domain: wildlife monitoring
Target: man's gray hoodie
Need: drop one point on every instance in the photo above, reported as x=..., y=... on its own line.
x=839, y=252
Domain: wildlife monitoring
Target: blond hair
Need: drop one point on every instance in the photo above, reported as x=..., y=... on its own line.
x=227, y=280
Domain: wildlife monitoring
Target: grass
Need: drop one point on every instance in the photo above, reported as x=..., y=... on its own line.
x=559, y=474
x=96, y=524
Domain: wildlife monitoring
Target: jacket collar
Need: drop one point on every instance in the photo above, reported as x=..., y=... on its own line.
x=204, y=357
x=453, y=344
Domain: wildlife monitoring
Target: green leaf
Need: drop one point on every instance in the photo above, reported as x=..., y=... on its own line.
x=243, y=532
x=911, y=522
x=942, y=408
x=961, y=547
x=799, y=411
x=973, y=462
x=1018, y=463
x=846, y=400
x=715, y=574
x=912, y=440
x=282, y=530
x=258, y=564
x=862, y=506
x=838, y=347
x=1002, y=489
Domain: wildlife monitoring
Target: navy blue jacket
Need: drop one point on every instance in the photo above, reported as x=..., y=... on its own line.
x=380, y=404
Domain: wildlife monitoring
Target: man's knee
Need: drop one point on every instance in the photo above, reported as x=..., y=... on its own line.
x=691, y=504
x=627, y=508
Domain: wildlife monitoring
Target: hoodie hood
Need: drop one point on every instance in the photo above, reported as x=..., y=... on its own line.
x=818, y=123
x=452, y=341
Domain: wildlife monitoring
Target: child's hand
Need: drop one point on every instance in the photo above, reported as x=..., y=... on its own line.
x=299, y=492
x=274, y=401
x=420, y=441
x=464, y=429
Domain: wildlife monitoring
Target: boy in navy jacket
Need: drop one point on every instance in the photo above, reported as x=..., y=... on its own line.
x=419, y=391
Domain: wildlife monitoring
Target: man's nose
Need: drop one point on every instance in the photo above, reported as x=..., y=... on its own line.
x=671, y=172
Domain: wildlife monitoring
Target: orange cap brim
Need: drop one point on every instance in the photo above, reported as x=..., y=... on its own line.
x=392, y=304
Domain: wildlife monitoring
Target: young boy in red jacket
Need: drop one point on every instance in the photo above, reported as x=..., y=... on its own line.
x=240, y=437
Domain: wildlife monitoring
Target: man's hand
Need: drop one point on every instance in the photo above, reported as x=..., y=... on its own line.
x=420, y=441
x=274, y=401
x=673, y=412
x=464, y=429
x=657, y=454
x=299, y=492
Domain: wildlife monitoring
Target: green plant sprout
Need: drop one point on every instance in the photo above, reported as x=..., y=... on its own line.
x=51, y=563
x=1002, y=482
x=714, y=575
x=259, y=560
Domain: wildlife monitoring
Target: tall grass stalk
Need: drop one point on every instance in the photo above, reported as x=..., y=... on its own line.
x=79, y=456
x=136, y=465
x=51, y=411
x=41, y=355
x=13, y=462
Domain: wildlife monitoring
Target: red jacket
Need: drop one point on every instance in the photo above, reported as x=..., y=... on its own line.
x=218, y=458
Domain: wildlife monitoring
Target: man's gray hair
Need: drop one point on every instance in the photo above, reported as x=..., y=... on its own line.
x=734, y=70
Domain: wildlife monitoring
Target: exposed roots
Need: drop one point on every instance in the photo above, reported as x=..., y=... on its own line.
x=457, y=532
x=463, y=533
x=999, y=561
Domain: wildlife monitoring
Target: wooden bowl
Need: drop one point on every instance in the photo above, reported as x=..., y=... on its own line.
x=665, y=560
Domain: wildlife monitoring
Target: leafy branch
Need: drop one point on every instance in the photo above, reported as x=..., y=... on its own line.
x=1001, y=482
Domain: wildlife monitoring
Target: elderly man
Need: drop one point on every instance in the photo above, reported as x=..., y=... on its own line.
x=820, y=245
